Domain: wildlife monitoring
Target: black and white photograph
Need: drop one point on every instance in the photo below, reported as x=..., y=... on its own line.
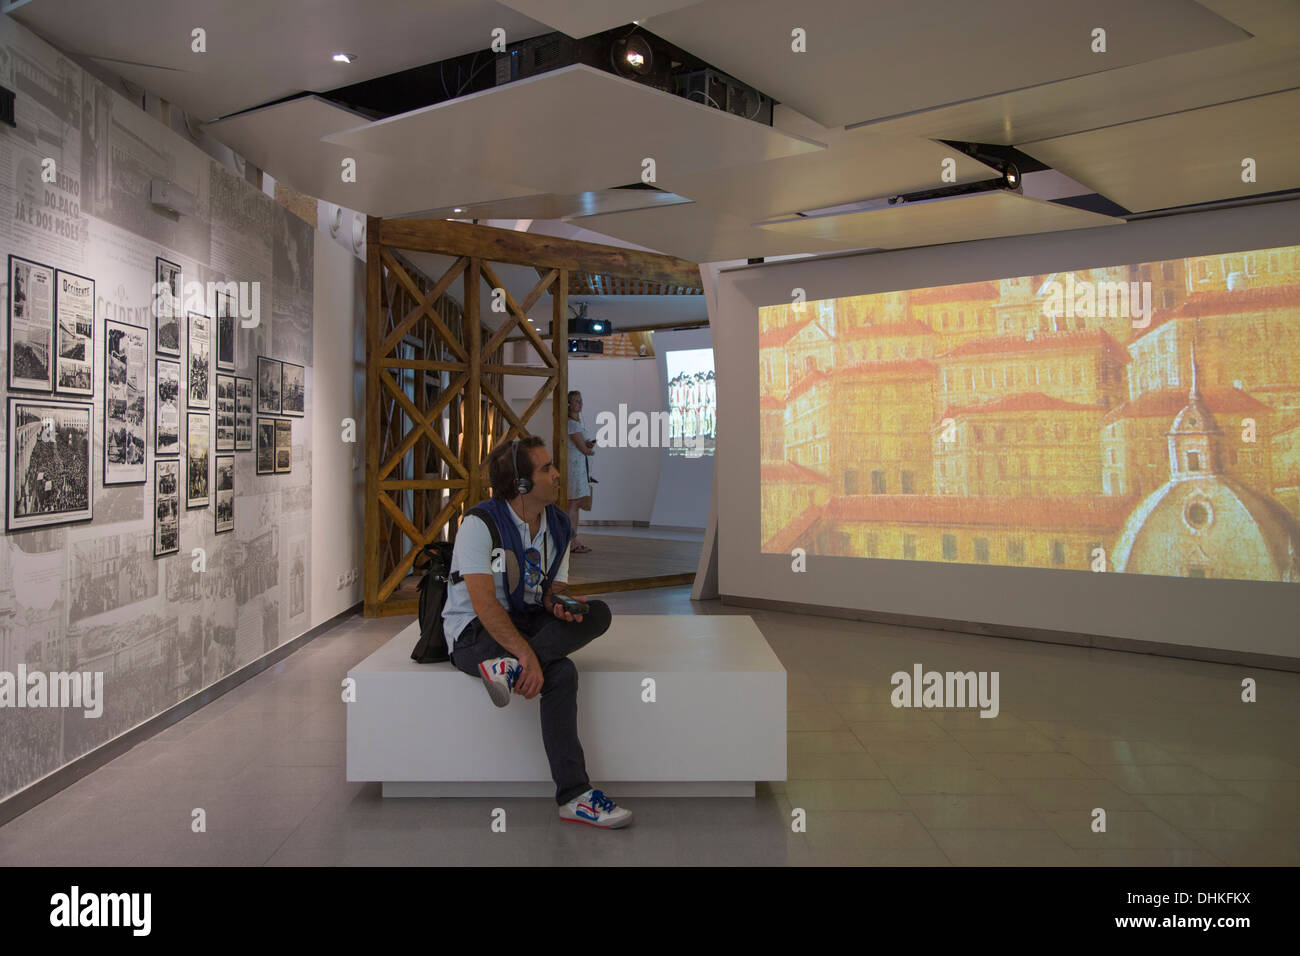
x=49, y=463
x=200, y=364
x=225, y=412
x=167, y=408
x=266, y=446
x=268, y=386
x=224, y=512
x=111, y=572
x=126, y=386
x=243, y=413
x=74, y=333
x=197, y=446
x=166, y=506
x=297, y=577
x=225, y=332
x=168, y=307
x=31, y=325
x=283, y=446
x=292, y=389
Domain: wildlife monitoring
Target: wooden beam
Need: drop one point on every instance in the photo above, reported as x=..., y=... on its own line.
x=560, y=413
x=424, y=304
x=374, y=323
x=524, y=326
x=473, y=404
x=528, y=249
x=420, y=423
x=519, y=369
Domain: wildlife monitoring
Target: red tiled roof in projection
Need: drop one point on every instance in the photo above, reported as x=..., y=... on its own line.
x=775, y=338
x=1025, y=402
x=1066, y=513
x=784, y=539
x=910, y=327
x=966, y=292
x=816, y=376
x=1168, y=402
x=1235, y=302
x=791, y=472
x=1042, y=342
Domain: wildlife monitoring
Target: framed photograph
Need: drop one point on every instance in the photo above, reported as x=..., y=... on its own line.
x=126, y=386
x=197, y=443
x=293, y=393
x=74, y=333
x=225, y=332
x=268, y=386
x=224, y=514
x=283, y=446
x=167, y=408
x=200, y=385
x=49, y=463
x=166, y=506
x=225, y=412
x=243, y=413
x=31, y=325
x=167, y=307
x=266, y=446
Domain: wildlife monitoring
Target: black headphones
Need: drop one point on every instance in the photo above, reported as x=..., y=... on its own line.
x=522, y=485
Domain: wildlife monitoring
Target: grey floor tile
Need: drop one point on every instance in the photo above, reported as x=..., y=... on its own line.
x=985, y=811
x=1251, y=848
x=1125, y=829
x=1005, y=848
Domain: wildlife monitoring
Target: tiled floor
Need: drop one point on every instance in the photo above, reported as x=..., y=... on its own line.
x=1186, y=773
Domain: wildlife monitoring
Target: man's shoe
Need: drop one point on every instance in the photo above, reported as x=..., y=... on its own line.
x=596, y=810
x=499, y=677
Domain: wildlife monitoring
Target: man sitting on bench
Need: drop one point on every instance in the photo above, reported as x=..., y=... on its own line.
x=507, y=628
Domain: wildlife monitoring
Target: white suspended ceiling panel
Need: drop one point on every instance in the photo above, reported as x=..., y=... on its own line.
x=285, y=140
x=1186, y=81
x=979, y=216
x=259, y=51
x=859, y=164
x=1186, y=158
x=573, y=130
x=702, y=234
x=580, y=18
x=551, y=206
x=866, y=61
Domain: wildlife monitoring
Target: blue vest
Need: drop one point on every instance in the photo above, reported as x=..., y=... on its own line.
x=507, y=533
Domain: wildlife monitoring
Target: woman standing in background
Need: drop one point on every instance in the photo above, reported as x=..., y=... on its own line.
x=579, y=449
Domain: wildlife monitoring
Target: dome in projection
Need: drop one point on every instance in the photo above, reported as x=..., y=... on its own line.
x=1202, y=523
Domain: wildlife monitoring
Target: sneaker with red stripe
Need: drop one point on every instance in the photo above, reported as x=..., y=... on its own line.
x=596, y=810
x=499, y=676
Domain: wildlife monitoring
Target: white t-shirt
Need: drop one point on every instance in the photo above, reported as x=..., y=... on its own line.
x=473, y=555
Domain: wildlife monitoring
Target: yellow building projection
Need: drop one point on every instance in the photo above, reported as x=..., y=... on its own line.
x=1141, y=419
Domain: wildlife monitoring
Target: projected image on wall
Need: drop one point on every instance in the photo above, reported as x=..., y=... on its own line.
x=692, y=402
x=1141, y=419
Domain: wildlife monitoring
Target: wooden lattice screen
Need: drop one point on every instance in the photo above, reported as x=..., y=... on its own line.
x=435, y=393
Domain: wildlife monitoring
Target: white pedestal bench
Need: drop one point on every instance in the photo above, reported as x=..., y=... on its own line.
x=717, y=723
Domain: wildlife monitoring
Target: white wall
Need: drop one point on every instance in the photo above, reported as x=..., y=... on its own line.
x=1253, y=616
x=628, y=477
x=338, y=468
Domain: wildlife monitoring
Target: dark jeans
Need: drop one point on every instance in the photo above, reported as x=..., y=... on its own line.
x=552, y=640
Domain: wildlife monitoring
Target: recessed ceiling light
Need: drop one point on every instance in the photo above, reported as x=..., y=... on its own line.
x=458, y=209
x=345, y=57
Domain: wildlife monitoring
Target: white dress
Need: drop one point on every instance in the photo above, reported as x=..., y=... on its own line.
x=578, y=485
